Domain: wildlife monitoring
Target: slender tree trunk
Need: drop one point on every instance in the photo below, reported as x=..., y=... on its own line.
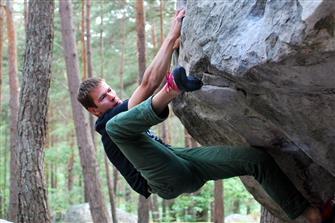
x=218, y=202
x=86, y=151
x=5, y=162
x=109, y=178
x=115, y=185
x=1, y=206
x=2, y=17
x=236, y=206
x=110, y=191
x=102, y=56
x=70, y=165
x=88, y=39
x=122, y=58
x=164, y=211
x=83, y=43
x=153, y=36
x=161, y=16
x=141, y=52
x=121, y=74
x=33, y=113
x=143, y=203
x=155, y=215
x=25, y=11
x=89, y=59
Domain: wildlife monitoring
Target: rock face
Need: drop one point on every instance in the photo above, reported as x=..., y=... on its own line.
x=268, y=69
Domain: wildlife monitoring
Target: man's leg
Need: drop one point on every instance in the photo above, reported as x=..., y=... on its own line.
x=167, y=174
x=220, y=162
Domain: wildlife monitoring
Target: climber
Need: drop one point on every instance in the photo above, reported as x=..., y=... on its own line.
x=149, y=165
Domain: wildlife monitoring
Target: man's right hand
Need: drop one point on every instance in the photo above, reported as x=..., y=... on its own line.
x=176, y=24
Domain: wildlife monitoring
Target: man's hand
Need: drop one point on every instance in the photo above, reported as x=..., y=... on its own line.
x=176, y=24
x=158, y=68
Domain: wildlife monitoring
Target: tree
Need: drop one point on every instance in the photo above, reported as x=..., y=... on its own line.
x=33, y=109
x=84, y=53
x=110, y=190
x=87, y=152
x=1, y=46
x=89, y=57
x=218, y=202
x=14, y=109
x=143, y=203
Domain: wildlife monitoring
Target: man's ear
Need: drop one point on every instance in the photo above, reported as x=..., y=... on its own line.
x=93, y=111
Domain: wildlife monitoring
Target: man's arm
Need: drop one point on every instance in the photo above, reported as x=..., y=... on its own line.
x=158, y=68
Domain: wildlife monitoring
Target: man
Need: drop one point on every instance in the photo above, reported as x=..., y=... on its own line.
x=150, y=166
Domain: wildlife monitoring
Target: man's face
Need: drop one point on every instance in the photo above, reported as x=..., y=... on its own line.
x=104, y=98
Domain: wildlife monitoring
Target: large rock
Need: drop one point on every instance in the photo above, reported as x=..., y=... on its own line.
x=269, y=74
x=80, y=213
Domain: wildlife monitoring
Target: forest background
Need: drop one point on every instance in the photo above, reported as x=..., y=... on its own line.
x=110, y=46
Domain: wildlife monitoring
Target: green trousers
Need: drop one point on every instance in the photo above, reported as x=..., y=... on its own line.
x=173, y=171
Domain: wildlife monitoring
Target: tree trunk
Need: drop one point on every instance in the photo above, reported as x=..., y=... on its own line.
x=161, y=9
x=88, y=39
x=141, y=52
x=32, y=125
x=123, y=49
x=25, y=11
x=218, y=202
x=5, y=163
x=102, y=56
x=116, y=179
x=70, y=176
x=236, y=206
x=1, y=206
x=110, y=190
x=89, y=59
x=155, y=215
x=143, y=203
x=84, y=140
x=83, y=43
x=2, y=17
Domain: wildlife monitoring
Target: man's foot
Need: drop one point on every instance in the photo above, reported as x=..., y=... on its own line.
x=185, y=83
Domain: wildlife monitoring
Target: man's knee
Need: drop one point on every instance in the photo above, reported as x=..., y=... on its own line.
x=113, y=129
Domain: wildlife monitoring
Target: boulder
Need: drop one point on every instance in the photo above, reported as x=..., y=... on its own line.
x=240, y=218
x=268, y=69
x=80, y=213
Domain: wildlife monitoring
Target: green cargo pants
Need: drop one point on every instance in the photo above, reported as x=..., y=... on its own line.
x=171, y=171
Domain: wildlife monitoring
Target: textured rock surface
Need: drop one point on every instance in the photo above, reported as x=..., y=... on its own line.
x=269, y=74
x=81, y=214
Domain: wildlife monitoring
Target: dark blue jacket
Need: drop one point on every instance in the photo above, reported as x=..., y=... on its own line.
x=124, y=166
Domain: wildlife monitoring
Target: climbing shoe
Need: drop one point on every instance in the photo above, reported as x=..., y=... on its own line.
x=177, y=80
x=185, y=83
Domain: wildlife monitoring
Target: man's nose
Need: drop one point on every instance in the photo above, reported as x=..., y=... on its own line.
x=110, y=95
